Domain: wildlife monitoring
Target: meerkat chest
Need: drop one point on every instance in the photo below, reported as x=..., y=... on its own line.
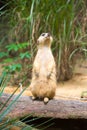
x=44, y=60
x=44, y=56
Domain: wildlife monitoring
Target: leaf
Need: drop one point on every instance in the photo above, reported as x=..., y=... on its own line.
x=8, y=60
x=13, y=68
x=12, y=46
x=23, y=45
x=25, y=55
x=16, y=47
x=3, y=54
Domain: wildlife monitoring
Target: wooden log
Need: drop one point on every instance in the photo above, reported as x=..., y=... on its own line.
x=61, y=108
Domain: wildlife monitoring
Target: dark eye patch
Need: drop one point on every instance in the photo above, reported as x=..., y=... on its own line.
x=43, y=34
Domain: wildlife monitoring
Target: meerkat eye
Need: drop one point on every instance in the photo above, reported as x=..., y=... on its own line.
x=43, y=34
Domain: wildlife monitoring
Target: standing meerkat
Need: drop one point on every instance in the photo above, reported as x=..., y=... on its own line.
x=43, y=84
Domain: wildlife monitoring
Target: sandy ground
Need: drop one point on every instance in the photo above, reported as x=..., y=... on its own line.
x=71, y=89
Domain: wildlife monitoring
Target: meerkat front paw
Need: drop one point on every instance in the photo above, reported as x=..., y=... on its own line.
x=37, y=75
x=46, y=100
x=48, y=76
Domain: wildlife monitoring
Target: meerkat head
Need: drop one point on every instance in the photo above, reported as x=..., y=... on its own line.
x=45, y=39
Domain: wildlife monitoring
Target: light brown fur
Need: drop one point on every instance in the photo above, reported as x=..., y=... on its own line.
x=43, y=84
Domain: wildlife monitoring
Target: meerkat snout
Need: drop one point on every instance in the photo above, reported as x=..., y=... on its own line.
x=45, y=38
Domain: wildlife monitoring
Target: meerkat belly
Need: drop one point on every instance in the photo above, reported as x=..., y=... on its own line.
x=44, y=89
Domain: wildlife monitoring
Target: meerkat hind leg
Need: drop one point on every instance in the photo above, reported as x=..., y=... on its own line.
x=46, y=100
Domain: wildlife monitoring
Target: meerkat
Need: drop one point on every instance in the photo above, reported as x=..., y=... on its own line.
x=43, y=83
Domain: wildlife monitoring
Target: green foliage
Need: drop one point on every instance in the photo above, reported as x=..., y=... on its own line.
x=13, y=68
x=8, y=60
x=3, y=54
x=16, y=47
x=25, y=55
x=12, y=47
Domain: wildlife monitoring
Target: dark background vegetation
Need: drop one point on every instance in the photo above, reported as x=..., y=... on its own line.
x=21, y=23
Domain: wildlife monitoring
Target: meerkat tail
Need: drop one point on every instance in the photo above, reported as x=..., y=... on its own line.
x=46, y=100
x=33, y=98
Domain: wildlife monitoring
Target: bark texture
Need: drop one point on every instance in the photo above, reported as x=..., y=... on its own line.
x=61, y=108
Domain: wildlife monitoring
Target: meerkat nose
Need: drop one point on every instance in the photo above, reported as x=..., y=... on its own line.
x=48, y=34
